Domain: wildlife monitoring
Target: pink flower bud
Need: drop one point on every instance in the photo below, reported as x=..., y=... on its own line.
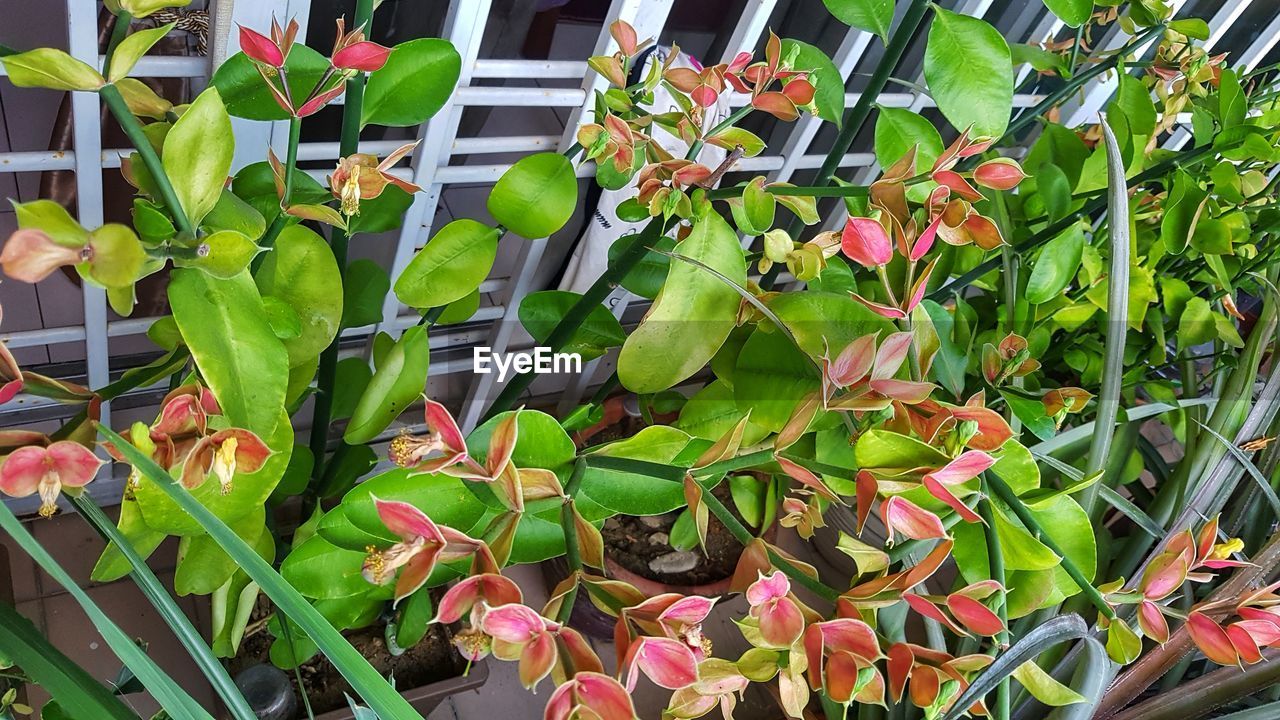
x=999, y=174
x=260, y=47
x=31, y=256
x=366, y=56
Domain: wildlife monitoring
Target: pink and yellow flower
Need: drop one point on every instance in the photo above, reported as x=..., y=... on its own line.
x=46, y=471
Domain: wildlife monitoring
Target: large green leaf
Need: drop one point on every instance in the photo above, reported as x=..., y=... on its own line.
x=634, y=493
x=413, y=85
x=969, y=72
x=302, y=272
x=364, y=286
x=874, y=16
x=113, y=564
x=1056, y=264
x=889, y=451
x=203, y=566
x=398, y=381
x=693, y=315
x=367, y=682
x=445, y=499
x=249, y=491
x=198, y=152
x=1072, y=12
x=239, y=357
x=450, y=267
x=322, y=570
x=712, y=412
x=819, y=320
x=247, y=96
x=828, y=84
x=536, y=196
x=540, y=441
x=898, y=130
x=541, y=312
x=771, y=377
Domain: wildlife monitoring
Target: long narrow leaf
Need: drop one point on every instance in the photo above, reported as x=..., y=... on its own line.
x=169, y=610
x=1251, y=469
x=23, y=645
x=1110, y=495
x=1134, y=414
x=168, y=693
x=1061, y=629
x=372, y=687
x=1117, y=315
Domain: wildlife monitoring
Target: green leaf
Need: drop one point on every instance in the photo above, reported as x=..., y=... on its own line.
x=446, y=500
x=898, y=130
x=828, y=83
x=1039, y=59
x=247, y=96
x=352, y=379
x=1059, y=146
x=50, y=68
x=1072, y=12
x=1195, y=325
x=371, y=686
x=132, y=48
x=536, y=196
x=203, y=567
x=229, y=252
x=413, y=85
x=1043, y=687
x=118, y=256
x=1056, y=265
x=238, y=355
x=302, y=271
x=197, y=154
x=540, y=441
x=54, y=220
x=414, y=620
x=970, y=74
x=821, y=319
x=322, y=570
x=646, y=276
x=1233, y=106
x=885, y=450
x=1191, y=27
x=382, y=213
x=1123, y=645
x=693, y=315
x=874, y=16
x=233, y=213
x=541, y=312
x=451, y=266
x=396, y=384
x=112, y=564
x=24, y=646
x=951, y=362
x=285, y=322
x=635, y=493
x=249, y=490
x=771, y=377
x=167, y=692
x=256, y=186
x=712, y=412
x=460, y=311
x=1134, y=100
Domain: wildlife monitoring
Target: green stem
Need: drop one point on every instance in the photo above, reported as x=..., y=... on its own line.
x=348, y=143
x=173, y=616
x=996, y=567
x=1008, y=497
x=577, y=314
x=290, y=167
x=725, y=124
x=571, y=553
x=118, y=32
x=857, y=116
x=133, y=130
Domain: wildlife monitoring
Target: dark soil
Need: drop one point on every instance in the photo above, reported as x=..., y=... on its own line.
x=627, y=541
x=432, y=659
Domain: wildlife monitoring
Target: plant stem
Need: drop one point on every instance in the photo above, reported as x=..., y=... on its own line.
x=348, y=143
x=857, y=116
x=173, y=616
x=995, y=563
x=118, y=32
x=1008, y=497
x=290, y=167
x=568, y=325
x=133, y=130
x=571, y=553
x=725, y=124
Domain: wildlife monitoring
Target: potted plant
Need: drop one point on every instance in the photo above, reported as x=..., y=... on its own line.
x=968, y=363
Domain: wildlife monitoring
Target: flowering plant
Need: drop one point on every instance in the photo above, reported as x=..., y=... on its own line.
x=954, y=388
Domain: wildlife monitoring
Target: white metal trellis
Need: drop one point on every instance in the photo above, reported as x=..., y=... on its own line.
x=430, y=165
